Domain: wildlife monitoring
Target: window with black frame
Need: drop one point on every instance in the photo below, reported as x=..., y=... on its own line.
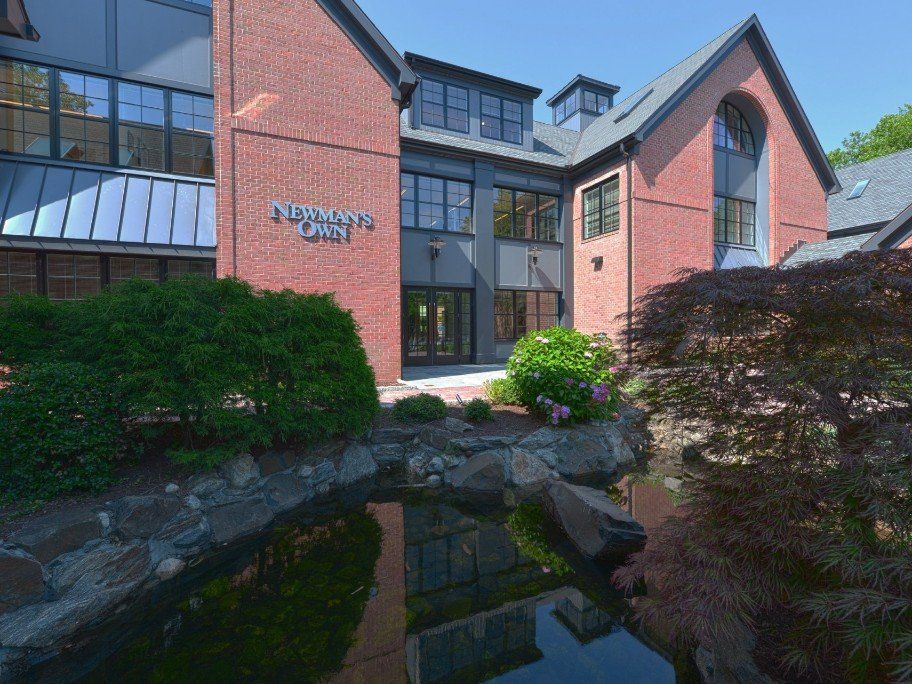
x=734, y=220
x=192, y=134
x=517, y=312
x=25, y=109
x=594, y=102
x=141, y=126
x=18, y=273
x=529, y=215
x=601, y=209
x=501, y=119
x=566, y=108
x=444, y=106
x=84, y=117
x=435, y=203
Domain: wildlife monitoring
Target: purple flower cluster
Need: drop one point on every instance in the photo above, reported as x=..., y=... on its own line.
x=601, y=393
x=558, y=411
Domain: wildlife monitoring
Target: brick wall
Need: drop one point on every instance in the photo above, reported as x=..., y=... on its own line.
x=302, y=116
x=673, y=194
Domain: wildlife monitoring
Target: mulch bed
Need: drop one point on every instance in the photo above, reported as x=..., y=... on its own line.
x=508, y=420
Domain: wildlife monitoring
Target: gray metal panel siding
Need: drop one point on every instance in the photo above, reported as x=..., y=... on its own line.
x=730, y=256
x=483, y=216
x=164, y=42
x=48, y=200
x=506, y=178
x=456, y=264
x=415, y=257
x=742, y=177
x=547, y=274
x=512, y=264
x=56, y=21
x=434, y=165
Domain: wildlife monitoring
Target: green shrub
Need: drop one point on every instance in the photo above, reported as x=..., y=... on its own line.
x=420, y=408
x=61, y=430
x=235, y=367
x=478, y=410
x=502, y=392
x=564, y=374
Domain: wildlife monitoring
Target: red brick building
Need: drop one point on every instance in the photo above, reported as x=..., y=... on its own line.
x=310, y=154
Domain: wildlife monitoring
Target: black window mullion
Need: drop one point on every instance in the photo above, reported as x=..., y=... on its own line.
x=54, y=111
x=113, y=135
x=166, y=103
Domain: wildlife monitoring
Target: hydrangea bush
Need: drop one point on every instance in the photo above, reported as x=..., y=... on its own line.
x=565, y=374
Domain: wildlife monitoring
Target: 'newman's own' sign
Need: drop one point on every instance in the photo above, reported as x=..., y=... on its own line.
x=317, y=222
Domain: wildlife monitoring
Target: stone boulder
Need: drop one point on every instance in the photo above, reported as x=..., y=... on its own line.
x=285, y=491
x=52, y=535
x=169, y=568
x=435, y=437
x=238, y=519
x=186, y=535
x=483, y=473
x=241, y=471
x=467, y=446
x=598, y=527
x=273, y=462
x=143, y=516
x=673, y=441
x=21, y=579
x=598, y=448
x=456, y=425
x=206, y=486
x=357, y=466
x=527, y=470
x=99, y=564
x=388, y=455
x=393, y=435
x=98, y=579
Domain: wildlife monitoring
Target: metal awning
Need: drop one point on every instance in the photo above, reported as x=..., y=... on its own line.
x=14, y=21
x=52, y=201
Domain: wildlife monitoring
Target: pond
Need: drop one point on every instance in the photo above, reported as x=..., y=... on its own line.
x=399, y=588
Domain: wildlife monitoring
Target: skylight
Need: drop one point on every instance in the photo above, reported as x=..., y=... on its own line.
x=630, y=106
x=859, y=189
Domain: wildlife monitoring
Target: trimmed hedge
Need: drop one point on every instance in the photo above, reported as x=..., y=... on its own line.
x=232, y=365
x=61, y=431
x=420, y=408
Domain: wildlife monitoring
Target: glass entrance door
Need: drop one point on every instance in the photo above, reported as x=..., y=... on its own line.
x=437, y=326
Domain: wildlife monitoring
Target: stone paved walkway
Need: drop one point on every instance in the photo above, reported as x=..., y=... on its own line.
x=450, y=383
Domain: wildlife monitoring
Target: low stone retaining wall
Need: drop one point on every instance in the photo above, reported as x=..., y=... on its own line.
x=67, y=571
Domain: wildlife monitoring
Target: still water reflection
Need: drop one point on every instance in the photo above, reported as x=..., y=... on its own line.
x=420, y=591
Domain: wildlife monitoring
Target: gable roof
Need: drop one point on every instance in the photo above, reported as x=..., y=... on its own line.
x=828, y=249
x=652, y=103
x=888, y=193
x=374, y=45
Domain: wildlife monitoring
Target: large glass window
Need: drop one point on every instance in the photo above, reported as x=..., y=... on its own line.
x=501, y=119
x=731, y=130
x=435, y=203
x=141, y=129
x=444, y=106
x=84, y=118
x=18, y=273
x=734, y=221
x=25, y=105
x=191, y=135
x=72, y=276
x=517, y=312
x=601, y=209
x=124, y=268
x=525, y=215
x=595, y=102
x=198, y=267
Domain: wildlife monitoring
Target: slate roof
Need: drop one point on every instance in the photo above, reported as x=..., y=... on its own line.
x=605, y=131
x=652, y=102
x=553, y=145
x=888, y=193
x=829, y=249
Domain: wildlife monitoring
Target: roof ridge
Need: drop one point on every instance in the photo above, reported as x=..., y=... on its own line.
x=730, y=30
x=882, y=157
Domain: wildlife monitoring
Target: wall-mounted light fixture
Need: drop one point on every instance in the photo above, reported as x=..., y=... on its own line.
x=436, y=244
x=597, y=263
x=535, y=252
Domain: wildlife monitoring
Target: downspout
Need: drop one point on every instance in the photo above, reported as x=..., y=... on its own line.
x=628, y=157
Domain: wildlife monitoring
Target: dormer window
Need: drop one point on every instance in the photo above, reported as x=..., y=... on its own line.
x=501, y=119
x=594, y=102
x=444, y=106
x=566, y=109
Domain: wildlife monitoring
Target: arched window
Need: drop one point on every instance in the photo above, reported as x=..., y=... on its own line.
x=732, y=130
x=734, y=217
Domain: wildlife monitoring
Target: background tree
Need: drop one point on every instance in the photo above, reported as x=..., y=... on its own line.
x=800, y=528
x=892, y=133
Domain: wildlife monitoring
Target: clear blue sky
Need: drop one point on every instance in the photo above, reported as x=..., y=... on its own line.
x=849, y=61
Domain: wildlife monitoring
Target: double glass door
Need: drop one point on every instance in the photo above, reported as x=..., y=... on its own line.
x=437, y=326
